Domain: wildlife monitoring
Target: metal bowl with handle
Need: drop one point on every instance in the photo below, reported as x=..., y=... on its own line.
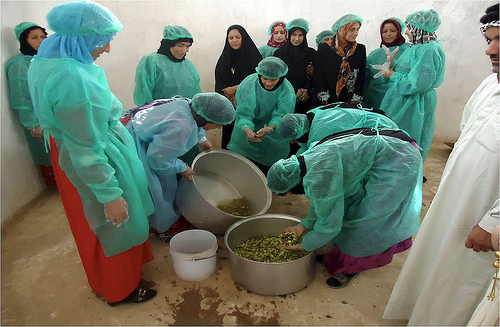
x=221, y=175
x=267, y=278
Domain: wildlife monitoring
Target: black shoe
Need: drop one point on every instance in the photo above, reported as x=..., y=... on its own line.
x=340, y=280
x=424, y=180
x=139, y=295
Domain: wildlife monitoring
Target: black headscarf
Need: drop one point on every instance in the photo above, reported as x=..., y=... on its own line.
x=234, y=65
x=297, y=59
x=25, y=47
x=165, y=46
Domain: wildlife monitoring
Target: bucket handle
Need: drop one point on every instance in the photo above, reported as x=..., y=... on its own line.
x=198, y=259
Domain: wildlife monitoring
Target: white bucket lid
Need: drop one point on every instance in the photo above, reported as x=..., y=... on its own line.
x=194, y=244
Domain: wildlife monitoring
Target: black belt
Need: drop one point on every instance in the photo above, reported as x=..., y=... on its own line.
x=368, y=132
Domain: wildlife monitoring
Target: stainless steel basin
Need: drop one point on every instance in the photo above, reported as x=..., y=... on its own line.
x=267, y=278
x=221, y=175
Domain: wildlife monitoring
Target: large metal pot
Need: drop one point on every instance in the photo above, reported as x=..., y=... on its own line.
x=221, y=175
x=267, y=278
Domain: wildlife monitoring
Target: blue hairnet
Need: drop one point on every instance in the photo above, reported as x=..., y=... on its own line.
x=214, y=107
x=175, y=32
x=274, y=23
x=83, y=18
x=425, y=19
x=344, y=20
x=284, y=175
x=21, y=27
x=298, y=22
x=81, y=27
x=323, y=35
x=272, y=67
x=293, y=126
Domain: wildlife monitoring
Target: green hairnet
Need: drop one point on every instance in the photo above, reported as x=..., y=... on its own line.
x=272, y=67
x=323, y=35
x=298, y=22
x=214, y=107
x=284, y=175
x=344, y=20
x=293, y=126
x=274, y=23
x=401, y=23
x=425, y=19
x=175, y=32
x=83, y=18
x=21, y=27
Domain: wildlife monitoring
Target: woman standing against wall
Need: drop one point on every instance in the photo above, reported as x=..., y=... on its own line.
x=279, y=34
x=30, y=36
x=340, y=70
x=101, y=180
x=167, y=72
x=239, y=58
x=391, y=33
x=411, y=99
x=300, y=61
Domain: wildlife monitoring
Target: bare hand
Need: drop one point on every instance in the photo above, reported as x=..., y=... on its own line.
x=294, y=248
x=264, y=131
x=37, y=132
x=205, y=146
x=251, y=136
x=479, y=240
x=116, y=211
x=299, y=229
x=302, y=95
x=388, y=74
x=188, y=173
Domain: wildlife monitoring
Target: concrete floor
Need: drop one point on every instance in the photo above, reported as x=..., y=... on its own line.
x=43, y=281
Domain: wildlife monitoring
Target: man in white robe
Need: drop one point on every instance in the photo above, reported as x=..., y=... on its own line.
x=443, y=280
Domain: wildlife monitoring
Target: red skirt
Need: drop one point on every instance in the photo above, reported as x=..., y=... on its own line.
x=113, y=277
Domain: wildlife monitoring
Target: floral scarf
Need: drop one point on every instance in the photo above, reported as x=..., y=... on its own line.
x=345, y=49
x=271, y=41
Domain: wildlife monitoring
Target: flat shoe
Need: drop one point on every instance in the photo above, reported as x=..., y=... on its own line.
x=139, y=295
x=339, y=280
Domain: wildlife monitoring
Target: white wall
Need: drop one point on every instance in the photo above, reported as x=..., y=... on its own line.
x=466, y=64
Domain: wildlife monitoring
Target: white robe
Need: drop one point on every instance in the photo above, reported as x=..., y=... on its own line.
x=442, y=281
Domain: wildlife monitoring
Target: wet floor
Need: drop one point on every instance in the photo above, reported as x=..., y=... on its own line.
x=43, y=281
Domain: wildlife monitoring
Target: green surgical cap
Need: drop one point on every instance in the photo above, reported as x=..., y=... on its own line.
x=323, y=35
x=214, y=107
x=344, y=20
x=175, y=32
x=272, y=67
x=293, y=126
x=298, y=22
x=272, y=25
x=284, y=175
x=83, y=18
x=21, y=27
x=425, y=19
x=401, y=23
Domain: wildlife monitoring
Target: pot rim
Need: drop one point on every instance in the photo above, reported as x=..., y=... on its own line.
x=249, y=163
x=263, y=216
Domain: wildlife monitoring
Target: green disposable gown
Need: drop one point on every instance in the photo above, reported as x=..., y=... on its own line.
x=158, y=77
x=411, y=98
x=20, y=102
x=258, y=107
x=375, y=88
x=97, y=153
x=364, y=191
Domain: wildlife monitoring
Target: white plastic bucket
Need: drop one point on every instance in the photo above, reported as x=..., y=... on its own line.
x=194, y=254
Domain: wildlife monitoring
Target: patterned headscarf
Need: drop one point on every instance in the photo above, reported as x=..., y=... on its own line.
x=484, y=27
x=271, y=41
x=345, y=49
x=420, y=36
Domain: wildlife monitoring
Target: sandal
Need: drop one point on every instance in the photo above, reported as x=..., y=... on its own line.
x=340, y=280
x=139, y=295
